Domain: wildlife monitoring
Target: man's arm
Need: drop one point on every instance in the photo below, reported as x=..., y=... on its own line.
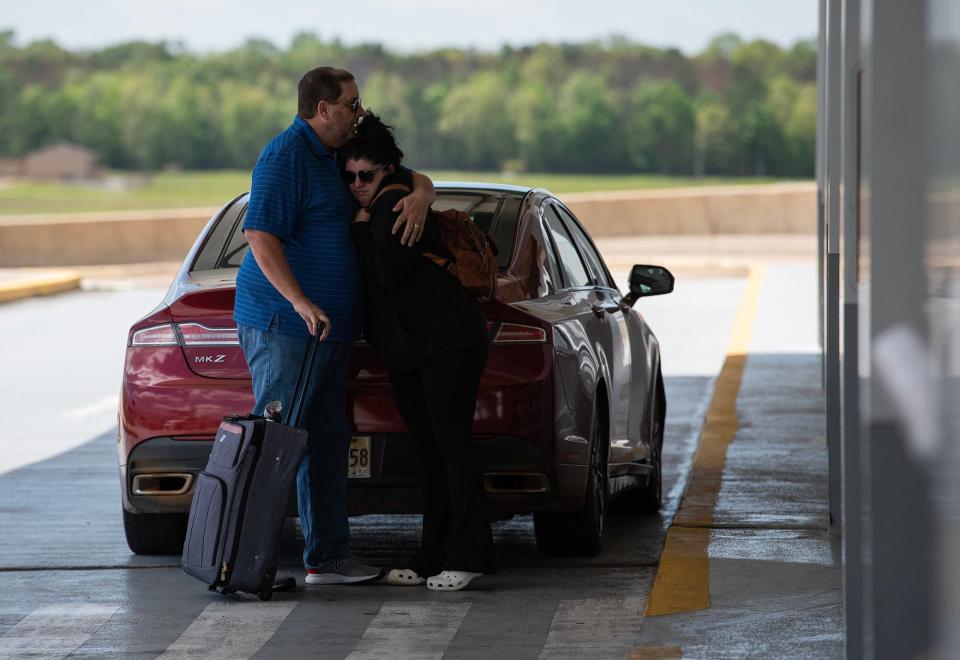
x=268, y=251
x=413, y=209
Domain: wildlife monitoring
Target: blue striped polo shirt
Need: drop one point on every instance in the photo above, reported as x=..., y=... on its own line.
x=298, y=195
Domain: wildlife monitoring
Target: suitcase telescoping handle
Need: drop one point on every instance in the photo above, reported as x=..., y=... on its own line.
x=295, y=411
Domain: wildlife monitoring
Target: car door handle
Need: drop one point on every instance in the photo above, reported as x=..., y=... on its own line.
x=600, y=310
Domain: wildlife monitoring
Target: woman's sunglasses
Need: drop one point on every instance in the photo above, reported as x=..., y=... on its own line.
x=365, y=176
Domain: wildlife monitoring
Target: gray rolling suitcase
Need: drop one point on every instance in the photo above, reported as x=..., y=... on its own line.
x=240, y=499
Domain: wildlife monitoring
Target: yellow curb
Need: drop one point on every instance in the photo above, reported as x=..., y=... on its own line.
x=682, y=583
x=38, y=286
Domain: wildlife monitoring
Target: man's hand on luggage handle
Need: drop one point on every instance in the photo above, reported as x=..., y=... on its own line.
x=312, y=316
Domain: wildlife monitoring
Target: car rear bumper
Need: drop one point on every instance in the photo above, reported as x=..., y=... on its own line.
x=162, y=456
x=519, y=477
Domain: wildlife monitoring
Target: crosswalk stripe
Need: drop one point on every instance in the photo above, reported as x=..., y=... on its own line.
x=228, y=629
x=410, y=630
x=55, y=631
x=594, y=628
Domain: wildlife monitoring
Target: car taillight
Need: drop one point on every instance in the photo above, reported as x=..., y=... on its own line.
x=158, y=335
x=515, y=333
x=195, y=334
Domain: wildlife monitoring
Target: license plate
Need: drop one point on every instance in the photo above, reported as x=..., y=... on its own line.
x=358, y=462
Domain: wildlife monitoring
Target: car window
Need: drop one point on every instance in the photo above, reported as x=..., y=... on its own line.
x=494, y=213
x=598, y=272
x=237, y=247
x=574, y=273
x=211, y=254
x=546, y=264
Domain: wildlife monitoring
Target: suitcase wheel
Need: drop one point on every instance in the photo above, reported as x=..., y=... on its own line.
x=265, y=594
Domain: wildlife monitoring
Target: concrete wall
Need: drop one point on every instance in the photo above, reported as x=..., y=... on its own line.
x=762, y=209
x=137, y=237
x=80, y=239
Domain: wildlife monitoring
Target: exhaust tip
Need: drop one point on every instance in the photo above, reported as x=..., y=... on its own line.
x=166, y=483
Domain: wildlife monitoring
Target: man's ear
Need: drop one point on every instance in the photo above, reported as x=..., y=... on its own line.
x=323, y=108
x=390, y=169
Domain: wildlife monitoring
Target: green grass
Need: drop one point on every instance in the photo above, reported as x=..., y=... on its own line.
x=211, y=189
x=156, y=191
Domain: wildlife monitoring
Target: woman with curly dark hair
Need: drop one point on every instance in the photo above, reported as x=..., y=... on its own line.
x=432, y=337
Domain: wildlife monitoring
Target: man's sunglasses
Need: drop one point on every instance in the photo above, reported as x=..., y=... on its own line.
x=353, y=105
x=365, y=176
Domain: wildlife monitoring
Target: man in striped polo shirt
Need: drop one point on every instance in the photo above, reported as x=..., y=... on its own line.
x=300, y=277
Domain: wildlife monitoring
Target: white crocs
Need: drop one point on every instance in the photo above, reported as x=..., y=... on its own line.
x=403, y=577
x=451, y=580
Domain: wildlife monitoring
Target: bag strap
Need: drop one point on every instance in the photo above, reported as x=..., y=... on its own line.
x=443, y=262
x=386, y=189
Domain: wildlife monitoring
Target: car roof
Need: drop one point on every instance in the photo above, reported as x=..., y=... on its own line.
x=480, y=186
x=486, y=187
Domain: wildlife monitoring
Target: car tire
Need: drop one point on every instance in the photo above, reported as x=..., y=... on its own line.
x=580, y=533
x=155, y=533
x=647, y=496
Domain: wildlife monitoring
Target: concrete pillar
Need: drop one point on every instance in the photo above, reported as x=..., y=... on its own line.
x=834, y=143
x=851, y=495
x=897, y=567
x=943, y=309
x=821, y=172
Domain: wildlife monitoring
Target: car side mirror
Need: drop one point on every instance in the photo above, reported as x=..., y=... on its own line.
x=649, y=281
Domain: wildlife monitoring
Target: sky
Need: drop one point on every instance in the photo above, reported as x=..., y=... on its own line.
x=406, y=25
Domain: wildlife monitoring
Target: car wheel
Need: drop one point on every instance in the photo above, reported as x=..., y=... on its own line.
x=579, y=533
x=155, y=533
x=647, y=496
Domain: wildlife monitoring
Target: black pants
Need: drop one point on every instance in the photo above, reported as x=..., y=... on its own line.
x=437, y=402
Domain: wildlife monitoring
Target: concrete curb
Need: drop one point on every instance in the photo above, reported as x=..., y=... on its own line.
x=30, y=287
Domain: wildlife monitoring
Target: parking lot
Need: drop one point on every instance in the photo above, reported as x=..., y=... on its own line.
x=69, y=585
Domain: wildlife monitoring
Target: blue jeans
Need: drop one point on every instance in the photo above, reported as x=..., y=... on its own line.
x=274, y=361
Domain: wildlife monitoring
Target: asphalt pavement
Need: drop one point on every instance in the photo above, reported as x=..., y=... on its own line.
x=69, y=585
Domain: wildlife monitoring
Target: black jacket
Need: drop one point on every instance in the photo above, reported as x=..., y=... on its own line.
x=415, y=309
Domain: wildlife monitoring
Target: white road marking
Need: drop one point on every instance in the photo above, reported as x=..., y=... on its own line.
x=105, y=404
x=229, y=630
x=595, y=628
x=55, y=631
x=410, y=630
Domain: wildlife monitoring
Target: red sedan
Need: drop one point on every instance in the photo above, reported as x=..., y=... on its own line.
x=571, y=405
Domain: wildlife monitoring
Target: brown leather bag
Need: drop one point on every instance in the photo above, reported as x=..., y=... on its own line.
x=472, y=257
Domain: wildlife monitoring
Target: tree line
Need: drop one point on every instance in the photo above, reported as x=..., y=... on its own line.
x=611, y=106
